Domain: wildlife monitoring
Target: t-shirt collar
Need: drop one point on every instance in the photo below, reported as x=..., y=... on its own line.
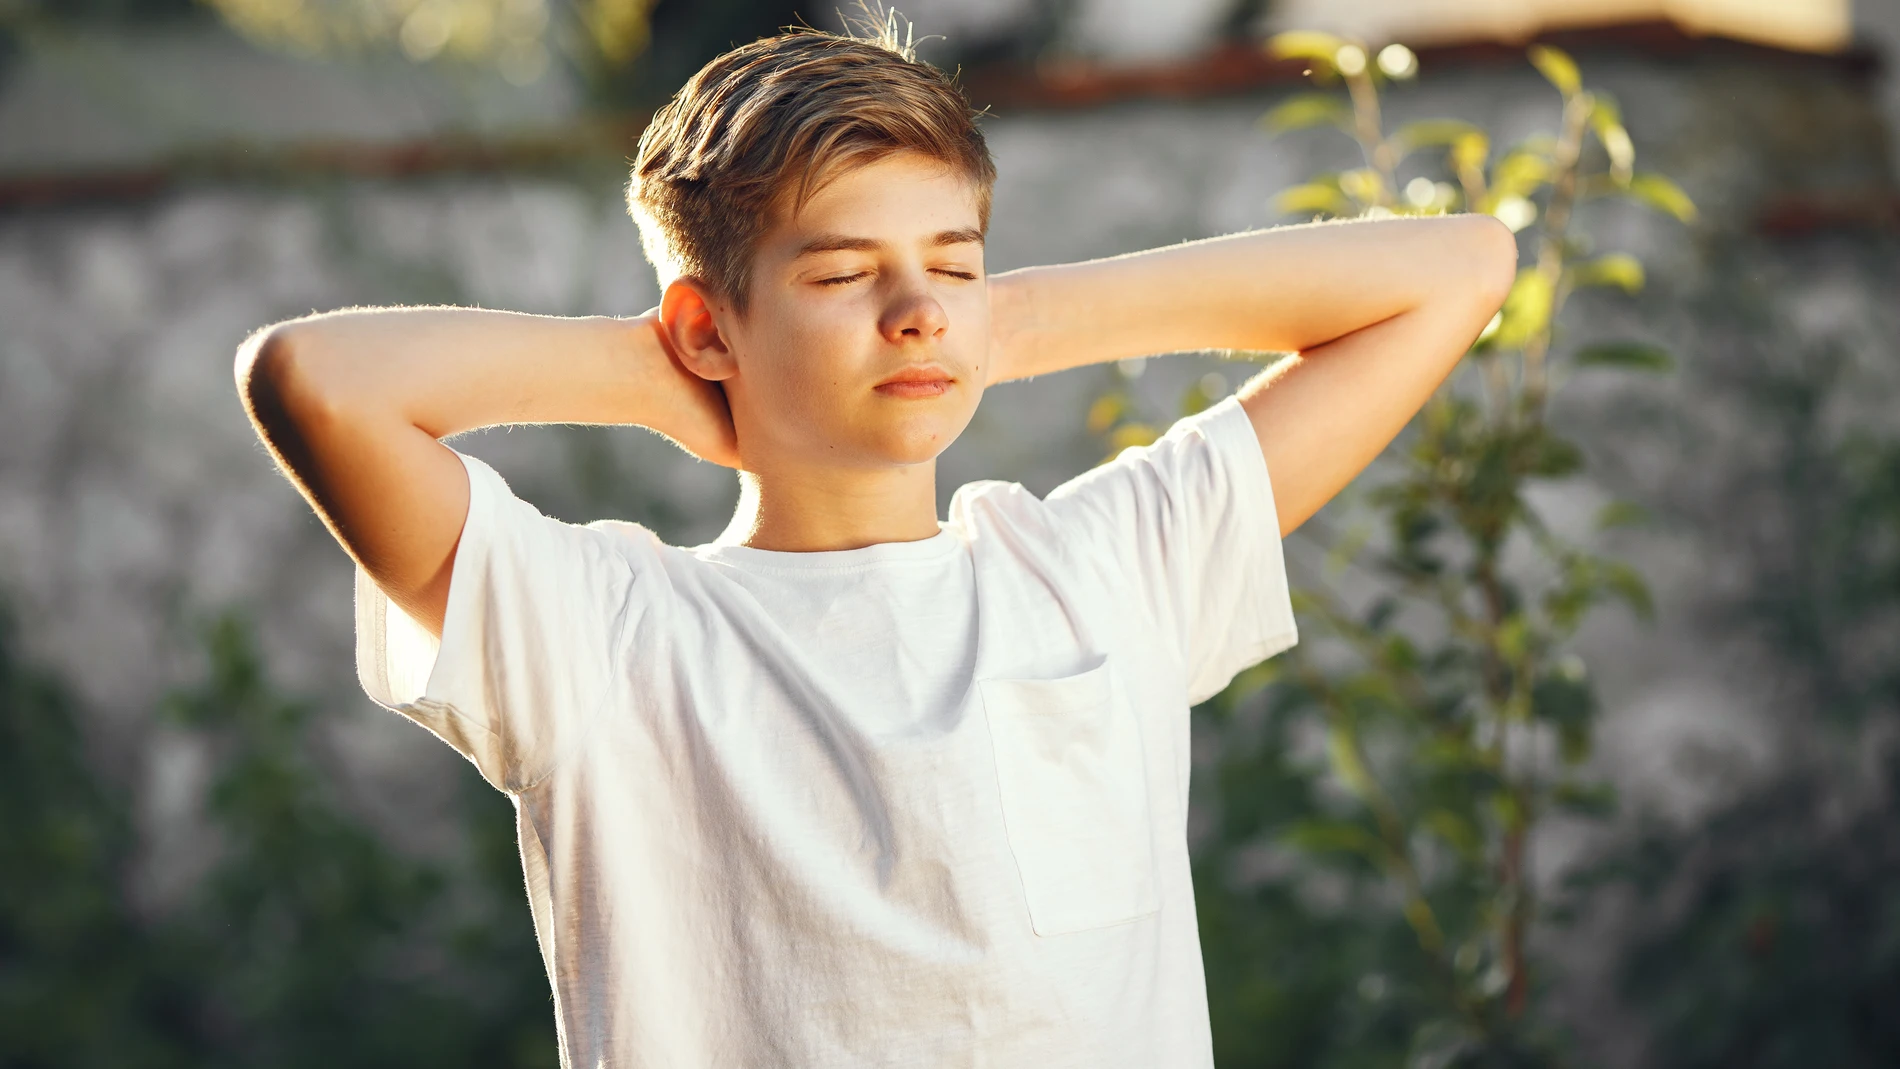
x=941, y=544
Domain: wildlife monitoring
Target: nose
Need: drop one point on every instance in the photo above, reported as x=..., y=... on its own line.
x=913, y=315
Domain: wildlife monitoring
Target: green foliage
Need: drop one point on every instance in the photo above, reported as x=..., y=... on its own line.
x=1776, y=940
x=311, y=927
x=1770, y=933
x=1306, y=110
x=309, y=943
x=1557, y=66
x=82, y=984
x=1663, y=195
x=1443, y=715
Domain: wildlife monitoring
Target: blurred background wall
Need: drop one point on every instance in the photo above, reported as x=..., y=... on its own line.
x=174, y=175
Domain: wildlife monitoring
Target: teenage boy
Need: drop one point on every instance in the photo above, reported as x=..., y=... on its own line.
x=851, y=785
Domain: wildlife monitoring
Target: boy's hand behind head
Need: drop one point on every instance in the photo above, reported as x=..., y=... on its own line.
x=696, y=417
x=865, y=342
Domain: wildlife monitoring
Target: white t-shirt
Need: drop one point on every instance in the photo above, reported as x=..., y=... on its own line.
x=917, y=804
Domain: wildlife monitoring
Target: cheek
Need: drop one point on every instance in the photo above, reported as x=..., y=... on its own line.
x=975, y=342
x=804, y=374
x=786, y=347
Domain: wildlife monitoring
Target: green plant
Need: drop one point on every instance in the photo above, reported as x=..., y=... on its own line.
x=82, y=982
x=320, y=944
x=1453, y=716
x=1775, y=939
x=309, y=942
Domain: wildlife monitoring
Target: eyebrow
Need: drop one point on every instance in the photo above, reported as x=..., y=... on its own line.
x=842, y=243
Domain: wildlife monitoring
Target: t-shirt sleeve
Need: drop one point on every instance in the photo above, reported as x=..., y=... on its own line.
x=536, y=615
x=1186, y=530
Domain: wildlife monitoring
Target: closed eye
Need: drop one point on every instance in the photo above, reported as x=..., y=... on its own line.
x=967, y=276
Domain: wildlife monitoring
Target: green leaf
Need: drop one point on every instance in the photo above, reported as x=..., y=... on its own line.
x=1663, y=195
x=1308, y=110
x=1633, y=356
x=1513, y=636
x=1558, y=68
x=1621, y=514
x=1554, y=458
x=1470, y=151
x=1106, y=411
x=1569, y=704
x=1364, y=185
x=1335, y=837
x=1320, y=48
x=1606, y=119
x=1314, y=197
x=1526, y=311
x=1450, y=753
x=1399, y=654
x=1434, y=132
x=1132, y=435
x=1519, y=174
x=1627, y=583
x=1566, y=604
x=1457, y=831
x=1618, y=269
x=1505, y=808
x=1604, y=111
x=1342, y=746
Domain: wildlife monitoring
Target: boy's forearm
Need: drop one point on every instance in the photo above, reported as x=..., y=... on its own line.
x=1283, y=290
x=353, y=405
x=449, y=370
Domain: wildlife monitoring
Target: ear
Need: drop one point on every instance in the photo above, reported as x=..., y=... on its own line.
x=686, y=315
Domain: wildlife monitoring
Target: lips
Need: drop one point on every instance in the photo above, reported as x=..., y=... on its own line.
x=927, y=380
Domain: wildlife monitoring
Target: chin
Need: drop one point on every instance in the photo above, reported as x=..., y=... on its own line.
x=919, y=439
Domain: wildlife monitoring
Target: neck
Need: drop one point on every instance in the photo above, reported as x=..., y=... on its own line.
x=815, y=510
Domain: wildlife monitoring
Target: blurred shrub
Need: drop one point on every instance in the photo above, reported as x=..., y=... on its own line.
x=319, y=944
x=1769, y=937
x=1767, y=933
x=82, y=983
x=309, y=943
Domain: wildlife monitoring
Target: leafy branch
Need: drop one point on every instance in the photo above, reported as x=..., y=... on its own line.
x=1455, y=716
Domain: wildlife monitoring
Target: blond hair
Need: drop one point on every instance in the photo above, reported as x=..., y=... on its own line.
x=759, y=129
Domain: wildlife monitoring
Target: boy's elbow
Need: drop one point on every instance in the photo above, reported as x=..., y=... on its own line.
x=261, y=357
x=274, y=382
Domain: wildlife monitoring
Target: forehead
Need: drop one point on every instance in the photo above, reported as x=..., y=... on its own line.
x=903, y=193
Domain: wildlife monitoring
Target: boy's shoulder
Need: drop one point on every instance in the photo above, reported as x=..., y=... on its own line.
x=994, y=504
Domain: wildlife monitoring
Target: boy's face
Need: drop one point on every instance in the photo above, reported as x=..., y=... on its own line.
x=866, y=343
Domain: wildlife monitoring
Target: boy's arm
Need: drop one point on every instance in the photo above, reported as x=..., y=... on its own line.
x=1378, y=311
x=352, y=404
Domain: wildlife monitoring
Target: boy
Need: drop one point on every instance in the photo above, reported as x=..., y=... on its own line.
x=852, y=786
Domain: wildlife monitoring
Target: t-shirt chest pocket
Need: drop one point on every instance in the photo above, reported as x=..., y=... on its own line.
x=1069, y=763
